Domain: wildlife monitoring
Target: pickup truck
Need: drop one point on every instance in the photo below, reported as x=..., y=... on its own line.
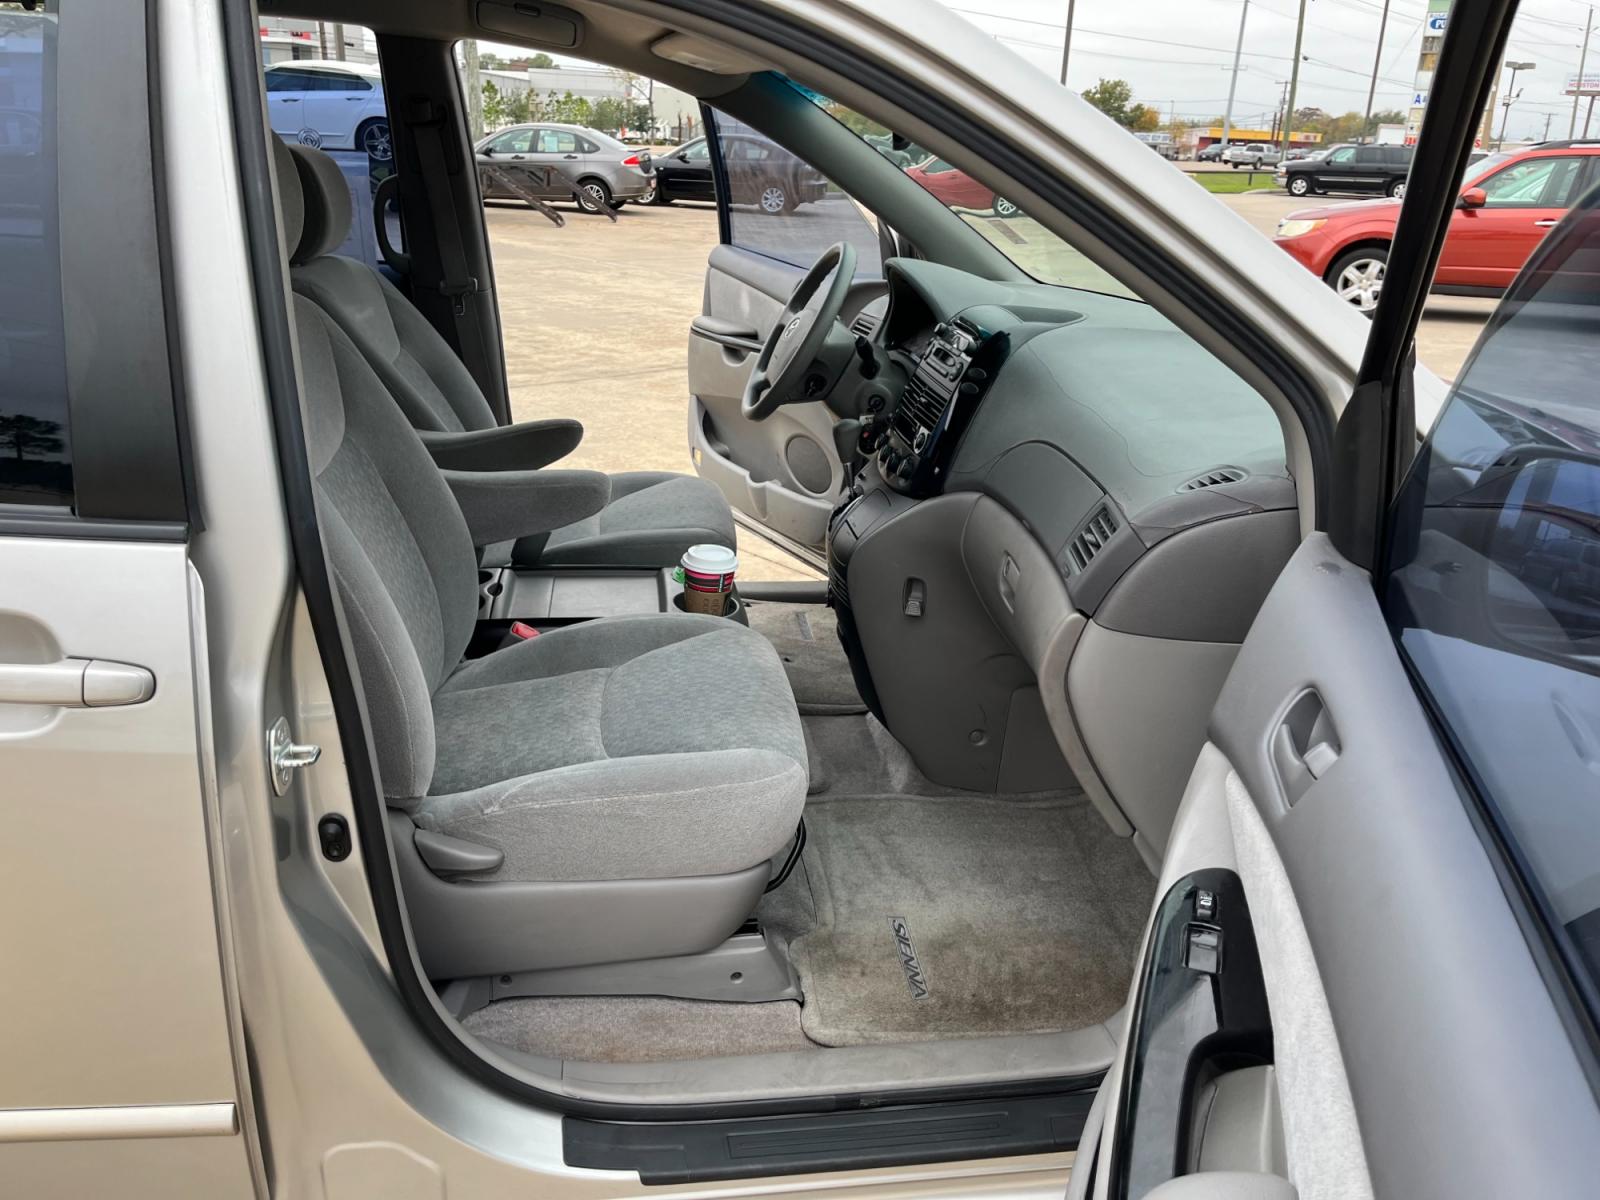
x=1252, y=154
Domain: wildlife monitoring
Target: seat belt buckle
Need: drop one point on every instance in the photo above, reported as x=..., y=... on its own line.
x=523, y=631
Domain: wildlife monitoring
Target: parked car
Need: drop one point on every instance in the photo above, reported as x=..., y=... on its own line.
x=1507, y=204
x=553, y=159
x=958, y=189
x=1251, y=154
x=331, y=105
x=1211, y=153
x=1379, y=170
x=1303, y=155
x=760, y=172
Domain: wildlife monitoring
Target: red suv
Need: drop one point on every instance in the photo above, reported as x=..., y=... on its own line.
x=1508, y=202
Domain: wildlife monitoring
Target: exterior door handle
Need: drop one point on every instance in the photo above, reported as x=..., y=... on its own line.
x=75, y=683
x=289, y=99
x=569, y=156
x=1546, y=223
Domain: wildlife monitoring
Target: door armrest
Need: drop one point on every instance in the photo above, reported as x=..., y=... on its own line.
x=501, y=506
x=734, y=334
x=525, y=446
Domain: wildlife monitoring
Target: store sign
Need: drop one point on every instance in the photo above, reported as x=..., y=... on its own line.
x=1589, y=85
x=1436, y=23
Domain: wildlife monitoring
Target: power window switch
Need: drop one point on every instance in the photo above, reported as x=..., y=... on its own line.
x=1205, y=905
x=1202, y=949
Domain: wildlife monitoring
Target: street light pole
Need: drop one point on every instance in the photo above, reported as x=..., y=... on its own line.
x=1233, y=81
x=1066, y=42
x=1511, y=98
x=1583, y=58
x=1377, y=56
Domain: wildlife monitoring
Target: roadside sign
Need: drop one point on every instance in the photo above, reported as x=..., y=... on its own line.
x=1589, y=85
x=1436, y=23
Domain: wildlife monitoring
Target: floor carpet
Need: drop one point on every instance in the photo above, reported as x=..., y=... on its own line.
x=807, y=639
x=638, y=1029
x=958, y=917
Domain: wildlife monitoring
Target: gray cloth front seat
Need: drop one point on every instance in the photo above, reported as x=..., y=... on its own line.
x=653, y=517
x=609, y=791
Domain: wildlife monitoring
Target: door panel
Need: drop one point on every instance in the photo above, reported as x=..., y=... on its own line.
x=112, y=983
x=783, y=472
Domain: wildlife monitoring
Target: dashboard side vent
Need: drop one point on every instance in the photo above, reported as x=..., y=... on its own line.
x=1212, y=478
x=866, y=323
x=1092, y=539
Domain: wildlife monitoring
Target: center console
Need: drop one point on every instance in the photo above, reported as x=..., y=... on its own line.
x=950, y=378
x=561, y=597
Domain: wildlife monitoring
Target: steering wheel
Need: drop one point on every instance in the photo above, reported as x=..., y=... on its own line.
x=798, y=335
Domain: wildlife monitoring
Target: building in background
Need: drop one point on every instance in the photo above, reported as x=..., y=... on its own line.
x=287, y=39
x=1433, y=26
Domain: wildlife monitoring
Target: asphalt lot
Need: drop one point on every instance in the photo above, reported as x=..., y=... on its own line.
x=596, y=320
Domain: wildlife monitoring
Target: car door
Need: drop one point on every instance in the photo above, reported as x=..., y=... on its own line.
x=785, y=473
x=562, y=152
x=507, y=154
x=1337, y=172
x=1378, y=908
x=686, y=175
x=1522, y=201
x=118, y=1066
x=286, y=101
x=331, y=104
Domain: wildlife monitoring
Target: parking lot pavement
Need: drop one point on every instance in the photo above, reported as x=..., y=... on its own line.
x=596, y=320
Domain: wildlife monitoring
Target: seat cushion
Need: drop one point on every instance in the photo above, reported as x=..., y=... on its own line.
x=653, y=517
x=631, y=748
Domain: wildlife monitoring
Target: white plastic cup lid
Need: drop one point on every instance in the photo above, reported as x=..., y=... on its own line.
x=710, y=559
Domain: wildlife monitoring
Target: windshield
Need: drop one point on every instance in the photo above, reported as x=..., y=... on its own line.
x=1019, y=237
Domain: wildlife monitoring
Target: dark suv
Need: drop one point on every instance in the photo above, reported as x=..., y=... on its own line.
x=1370, y=170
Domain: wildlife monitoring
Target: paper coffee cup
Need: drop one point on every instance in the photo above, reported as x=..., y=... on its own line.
x=708, y=572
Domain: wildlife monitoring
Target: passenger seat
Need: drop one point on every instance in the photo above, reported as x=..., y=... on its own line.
x=607, y=792
x=652, y=517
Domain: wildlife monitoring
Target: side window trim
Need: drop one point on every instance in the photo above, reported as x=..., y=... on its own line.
x=123, y=415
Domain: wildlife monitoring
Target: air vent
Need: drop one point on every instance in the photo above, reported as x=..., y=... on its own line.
x=866, y=323
x=1092, y=539
x=1212, y=478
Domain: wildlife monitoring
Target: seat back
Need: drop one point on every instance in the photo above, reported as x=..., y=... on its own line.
x=402, y=558
x=429, y=383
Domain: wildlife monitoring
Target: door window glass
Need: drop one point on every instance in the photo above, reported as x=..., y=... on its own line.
x=1342, y=155
x=697, y=152
x=516, y=142
x=557, y=141
x=1533, y=183
x=35, y=447
x=1494, y=588
x=781, y=206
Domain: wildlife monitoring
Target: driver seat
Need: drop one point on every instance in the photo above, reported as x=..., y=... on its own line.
x=652, y=516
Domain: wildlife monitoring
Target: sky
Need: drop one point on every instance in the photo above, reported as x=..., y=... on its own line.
x=1178, y=54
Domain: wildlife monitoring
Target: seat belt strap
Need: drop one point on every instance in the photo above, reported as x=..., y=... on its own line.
x=455, y=282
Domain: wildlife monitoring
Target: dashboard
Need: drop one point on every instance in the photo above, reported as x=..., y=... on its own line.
x=1071, y=514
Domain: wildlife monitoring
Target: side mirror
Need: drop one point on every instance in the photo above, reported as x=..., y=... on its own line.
x=682, y=156
x=1473, y=198
x=487, y=151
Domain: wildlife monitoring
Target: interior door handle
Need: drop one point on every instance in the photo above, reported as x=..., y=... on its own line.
x=1304, y=745
x=75, y=683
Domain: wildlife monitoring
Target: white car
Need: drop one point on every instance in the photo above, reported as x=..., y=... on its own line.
x=330, y=105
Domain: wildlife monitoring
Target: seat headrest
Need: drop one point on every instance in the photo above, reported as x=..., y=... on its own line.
x=326, y=204
x=291, y=197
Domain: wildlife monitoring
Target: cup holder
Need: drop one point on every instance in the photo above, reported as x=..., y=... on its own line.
x=733, y=612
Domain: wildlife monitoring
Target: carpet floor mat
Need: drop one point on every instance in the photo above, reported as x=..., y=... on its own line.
x=948, y=917
x=638, y=1029
x=807, y=639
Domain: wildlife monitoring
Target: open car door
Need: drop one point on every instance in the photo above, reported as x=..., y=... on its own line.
x=777, y=215
x=1371, y=966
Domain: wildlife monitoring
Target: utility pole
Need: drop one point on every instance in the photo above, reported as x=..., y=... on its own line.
x=1546, y=135
x=1583, y=58
x=1066, y=42
x=1377, y=55
x=474, y=89
x=1233, y=81
x=1294, y=79
x=338, y=40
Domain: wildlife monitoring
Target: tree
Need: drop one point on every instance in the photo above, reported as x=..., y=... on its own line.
x=1143, y=119
x=30, y=437
x=1112, y=97
x=568, y=109
x=543, y=61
